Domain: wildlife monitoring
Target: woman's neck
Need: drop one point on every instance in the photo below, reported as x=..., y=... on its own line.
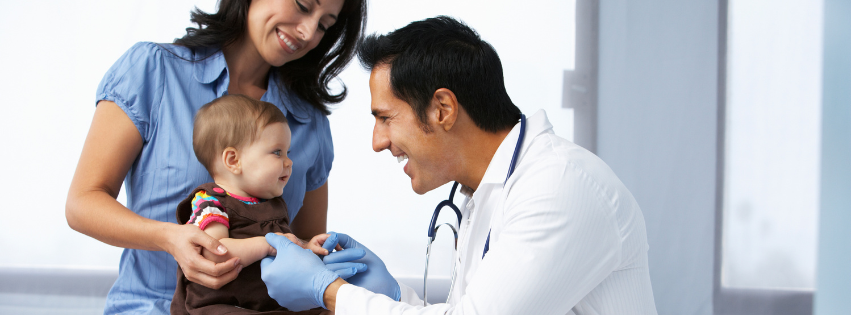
x=247, y=70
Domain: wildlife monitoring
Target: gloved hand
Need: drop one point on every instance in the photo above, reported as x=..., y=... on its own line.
x=344, y=269
x=296, y=278
x=376, y=278
x=347, y=269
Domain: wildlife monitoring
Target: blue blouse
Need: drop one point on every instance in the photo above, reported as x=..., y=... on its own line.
x=161, y=87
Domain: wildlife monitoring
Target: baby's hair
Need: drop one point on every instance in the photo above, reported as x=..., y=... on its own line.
x=230, y=121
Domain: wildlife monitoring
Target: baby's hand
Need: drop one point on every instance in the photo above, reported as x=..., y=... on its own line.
x=291, y=237
x=315, y=244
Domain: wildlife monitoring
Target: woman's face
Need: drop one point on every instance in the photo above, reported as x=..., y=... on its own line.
x=285, y=30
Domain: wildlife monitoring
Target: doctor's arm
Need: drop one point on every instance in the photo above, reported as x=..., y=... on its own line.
x=558, y=243
x=91, y=208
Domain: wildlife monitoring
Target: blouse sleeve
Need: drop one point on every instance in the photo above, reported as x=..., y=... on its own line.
x=207, y=209
x=317, y=174
x=134, y=83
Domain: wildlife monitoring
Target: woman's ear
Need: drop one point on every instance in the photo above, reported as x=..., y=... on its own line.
x=445, y=108
x=230, y=159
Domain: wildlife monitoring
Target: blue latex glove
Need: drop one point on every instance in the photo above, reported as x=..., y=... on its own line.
x=345, y=269
x=376, y=278
x=296, y=278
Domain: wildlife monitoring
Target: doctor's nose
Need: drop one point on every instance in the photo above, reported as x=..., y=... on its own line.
x=380, y=141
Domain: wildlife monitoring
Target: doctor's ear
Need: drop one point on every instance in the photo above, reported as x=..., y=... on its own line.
x=230, y=159
x=445, y=108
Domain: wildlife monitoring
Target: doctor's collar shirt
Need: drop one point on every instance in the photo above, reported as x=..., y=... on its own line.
x=566, y=237
x=160, y=87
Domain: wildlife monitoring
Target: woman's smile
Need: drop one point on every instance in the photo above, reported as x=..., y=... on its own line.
x=288, y=43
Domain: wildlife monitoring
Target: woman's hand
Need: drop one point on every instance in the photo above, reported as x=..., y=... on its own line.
x=113, y=143
x=185, y=243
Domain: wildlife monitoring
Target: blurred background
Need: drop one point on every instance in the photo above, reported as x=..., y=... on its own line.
x=728, y=120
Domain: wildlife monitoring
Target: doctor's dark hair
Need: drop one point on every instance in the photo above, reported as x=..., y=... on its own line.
x=442, y=52
x=309, y=76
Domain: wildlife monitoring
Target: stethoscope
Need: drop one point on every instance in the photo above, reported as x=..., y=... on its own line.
x=432, y=230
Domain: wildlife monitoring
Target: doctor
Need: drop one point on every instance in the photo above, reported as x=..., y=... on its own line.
x=563, y=234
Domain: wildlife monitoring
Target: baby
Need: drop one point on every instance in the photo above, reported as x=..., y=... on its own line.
x=243, y=143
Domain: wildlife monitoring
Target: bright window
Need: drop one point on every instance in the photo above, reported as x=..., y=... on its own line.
x=771, y=163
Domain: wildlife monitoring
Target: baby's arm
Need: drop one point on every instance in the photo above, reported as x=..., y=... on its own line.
x=209, y=215
x=315, y=244
x=220, y=232
x=249, y=250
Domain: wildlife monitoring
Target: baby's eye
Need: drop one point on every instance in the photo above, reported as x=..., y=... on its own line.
x=277, y=152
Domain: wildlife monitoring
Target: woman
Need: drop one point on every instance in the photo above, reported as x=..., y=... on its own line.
x=284, y=52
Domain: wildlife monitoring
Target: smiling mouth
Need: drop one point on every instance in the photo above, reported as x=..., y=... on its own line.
x=401, y=158
x=293, y=46
x=283, y=178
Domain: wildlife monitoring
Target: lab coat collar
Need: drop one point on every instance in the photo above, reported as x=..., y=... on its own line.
x=210, y=65
x=498, y=167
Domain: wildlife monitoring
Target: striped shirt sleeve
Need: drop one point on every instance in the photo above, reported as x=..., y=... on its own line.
x=207, y=209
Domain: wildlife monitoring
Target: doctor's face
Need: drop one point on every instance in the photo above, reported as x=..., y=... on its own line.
x=398, y=130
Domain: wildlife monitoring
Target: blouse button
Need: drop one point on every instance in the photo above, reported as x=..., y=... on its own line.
x=218, y=190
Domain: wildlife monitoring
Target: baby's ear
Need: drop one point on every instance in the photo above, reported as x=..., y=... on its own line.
x=230, y=159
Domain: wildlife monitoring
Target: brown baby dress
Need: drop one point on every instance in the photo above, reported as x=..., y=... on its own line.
x=247, y=294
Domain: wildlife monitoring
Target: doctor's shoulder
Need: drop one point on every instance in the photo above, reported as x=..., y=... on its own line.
x=558, y=166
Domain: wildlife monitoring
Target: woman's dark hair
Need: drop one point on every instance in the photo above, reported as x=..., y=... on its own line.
x=309, y=76
x=442, y=52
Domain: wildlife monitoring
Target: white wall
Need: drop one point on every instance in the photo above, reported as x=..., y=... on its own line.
x=657, y=130
x=55, y=53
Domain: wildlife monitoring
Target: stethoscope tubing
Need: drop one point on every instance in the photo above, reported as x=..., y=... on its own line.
x=432, y=229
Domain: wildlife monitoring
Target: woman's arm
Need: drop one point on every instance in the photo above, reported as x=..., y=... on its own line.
x=113, y=143
x=312, y=218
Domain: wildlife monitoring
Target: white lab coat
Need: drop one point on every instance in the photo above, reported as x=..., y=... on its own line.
x=566, y=238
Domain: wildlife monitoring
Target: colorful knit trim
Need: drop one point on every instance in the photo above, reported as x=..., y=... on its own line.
x=207, y=209
x=246, y=200
x=210, y=215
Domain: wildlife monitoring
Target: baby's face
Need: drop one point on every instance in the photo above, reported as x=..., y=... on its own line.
x=265, y=165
